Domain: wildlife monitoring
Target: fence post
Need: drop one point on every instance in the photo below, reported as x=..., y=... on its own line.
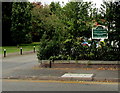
x=21, y=50
x=34, y=49
x=4, y=52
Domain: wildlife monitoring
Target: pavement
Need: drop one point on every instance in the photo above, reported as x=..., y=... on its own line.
x=26, y=67
x=52, y=74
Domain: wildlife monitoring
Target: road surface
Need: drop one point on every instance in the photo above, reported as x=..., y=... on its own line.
x=23, y=65
x=38, y=85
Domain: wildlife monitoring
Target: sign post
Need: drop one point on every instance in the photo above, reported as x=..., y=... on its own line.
x=100, y=32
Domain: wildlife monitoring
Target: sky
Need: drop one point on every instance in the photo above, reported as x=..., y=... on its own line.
x=98, y=2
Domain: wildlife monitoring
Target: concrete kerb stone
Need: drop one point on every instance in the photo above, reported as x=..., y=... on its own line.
x=83, y=61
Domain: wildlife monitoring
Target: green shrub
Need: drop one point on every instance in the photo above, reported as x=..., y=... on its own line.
x=70, y=49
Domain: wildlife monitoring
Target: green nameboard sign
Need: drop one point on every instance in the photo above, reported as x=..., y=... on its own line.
x=100, y=32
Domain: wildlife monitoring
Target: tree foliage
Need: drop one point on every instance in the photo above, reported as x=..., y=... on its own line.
x=21, y=22
x=61, y=29
x=6, y=22
x=39, y=14
x=76, y=19
x=110, y=12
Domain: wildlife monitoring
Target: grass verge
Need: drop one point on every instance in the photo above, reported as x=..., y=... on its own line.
x=14, y=49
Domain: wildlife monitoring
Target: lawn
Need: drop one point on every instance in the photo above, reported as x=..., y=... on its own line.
x=25, y=47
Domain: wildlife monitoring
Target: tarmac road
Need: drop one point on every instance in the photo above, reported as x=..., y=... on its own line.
x=37, y=85
x=14, y=63
x=24, y=65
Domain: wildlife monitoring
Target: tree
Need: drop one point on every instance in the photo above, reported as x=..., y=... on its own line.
x=55, y=7
x=110, y=11
x=61, y=37
x=77, y=18
x=62, y=30
x=21, y=22
x=38, y=16
x=50, y=43
x=6, y=23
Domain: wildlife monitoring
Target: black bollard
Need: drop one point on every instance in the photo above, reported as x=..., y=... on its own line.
x=4, y=52
x=21, y=51
x=50, y=64
x=34, y=49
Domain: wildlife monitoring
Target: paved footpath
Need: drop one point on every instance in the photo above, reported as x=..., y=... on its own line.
x=26, y=66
